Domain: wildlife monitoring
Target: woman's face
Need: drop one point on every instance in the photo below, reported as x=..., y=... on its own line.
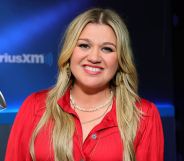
x=94, y=61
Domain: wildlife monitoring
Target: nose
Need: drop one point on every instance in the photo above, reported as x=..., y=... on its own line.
x=94, y=56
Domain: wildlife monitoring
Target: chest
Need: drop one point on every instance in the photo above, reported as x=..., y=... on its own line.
x=99, y=145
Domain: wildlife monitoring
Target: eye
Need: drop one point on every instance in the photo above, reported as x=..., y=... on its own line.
x=107, y=49
x=83, y=45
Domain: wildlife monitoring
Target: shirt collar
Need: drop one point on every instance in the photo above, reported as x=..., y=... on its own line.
x=64, y=102
x=109, y=119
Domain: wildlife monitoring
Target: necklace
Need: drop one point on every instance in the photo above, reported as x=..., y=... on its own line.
x=92, y=109
x=85, y=122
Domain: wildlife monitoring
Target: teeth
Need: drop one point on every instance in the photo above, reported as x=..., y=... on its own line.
x=92, y=69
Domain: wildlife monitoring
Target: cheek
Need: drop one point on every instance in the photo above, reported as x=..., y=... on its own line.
x=75, y=60
x=75, y=57
x=112, y=67
x=113, y=63
x=113, y=70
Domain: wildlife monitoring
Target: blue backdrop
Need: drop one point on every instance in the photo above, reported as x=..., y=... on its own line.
x=30, y=34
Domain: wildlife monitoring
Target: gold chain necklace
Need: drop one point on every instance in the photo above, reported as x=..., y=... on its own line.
x=92, y=109
x=89, y=121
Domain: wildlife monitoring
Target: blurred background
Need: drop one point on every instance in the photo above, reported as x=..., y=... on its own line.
x=30, y=36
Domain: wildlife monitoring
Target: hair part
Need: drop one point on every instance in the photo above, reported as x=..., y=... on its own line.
x=124, y=83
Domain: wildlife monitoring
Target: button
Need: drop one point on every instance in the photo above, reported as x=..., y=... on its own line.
x=94, y=136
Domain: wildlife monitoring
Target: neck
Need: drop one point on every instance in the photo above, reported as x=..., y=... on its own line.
x=88, y=98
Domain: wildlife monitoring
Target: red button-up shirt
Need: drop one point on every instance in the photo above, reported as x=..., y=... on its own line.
x=102, y=144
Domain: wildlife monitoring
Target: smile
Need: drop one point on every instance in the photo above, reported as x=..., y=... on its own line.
x=93, y=69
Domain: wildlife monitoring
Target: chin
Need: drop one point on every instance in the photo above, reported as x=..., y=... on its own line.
x=94, y=86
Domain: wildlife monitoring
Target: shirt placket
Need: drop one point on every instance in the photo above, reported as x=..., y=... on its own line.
x=85, y=151
x=93, y=138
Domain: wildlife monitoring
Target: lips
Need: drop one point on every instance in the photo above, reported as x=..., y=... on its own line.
x=92, y=69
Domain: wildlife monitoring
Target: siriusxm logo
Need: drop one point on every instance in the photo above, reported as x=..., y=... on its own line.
x=27, y=58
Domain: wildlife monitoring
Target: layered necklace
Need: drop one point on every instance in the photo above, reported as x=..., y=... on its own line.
x=91, y=109
x=107, y=104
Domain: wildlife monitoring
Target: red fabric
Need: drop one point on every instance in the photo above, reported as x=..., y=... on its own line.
x=102, y=144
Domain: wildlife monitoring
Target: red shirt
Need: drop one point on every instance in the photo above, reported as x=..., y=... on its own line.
x=102, y=144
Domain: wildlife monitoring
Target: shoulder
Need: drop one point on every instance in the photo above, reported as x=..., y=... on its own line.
x=35, y=102
x=32, y=107
x=147, y=107
x=150, y=116
x=40, y=96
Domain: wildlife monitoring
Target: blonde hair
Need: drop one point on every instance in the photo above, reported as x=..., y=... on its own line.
x=124, y=84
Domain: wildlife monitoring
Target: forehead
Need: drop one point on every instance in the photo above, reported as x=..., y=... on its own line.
x=100, y=32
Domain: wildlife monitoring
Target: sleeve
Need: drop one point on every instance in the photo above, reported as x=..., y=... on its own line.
x=18, y=142
x=151, y=143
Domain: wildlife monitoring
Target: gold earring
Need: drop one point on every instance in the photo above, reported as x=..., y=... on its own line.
x=68, y=70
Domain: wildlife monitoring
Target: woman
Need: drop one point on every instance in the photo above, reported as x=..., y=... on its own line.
x=93, y=112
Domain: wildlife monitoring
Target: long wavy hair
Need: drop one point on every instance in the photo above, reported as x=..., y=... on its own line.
x=124, y=84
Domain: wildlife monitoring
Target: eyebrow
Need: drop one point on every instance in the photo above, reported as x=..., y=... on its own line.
x=105, y=43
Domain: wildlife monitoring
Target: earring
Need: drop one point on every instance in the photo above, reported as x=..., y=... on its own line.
x=68, y=70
